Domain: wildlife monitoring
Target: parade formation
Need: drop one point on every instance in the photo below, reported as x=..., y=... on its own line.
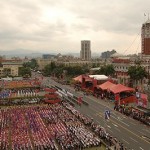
x=33, y=116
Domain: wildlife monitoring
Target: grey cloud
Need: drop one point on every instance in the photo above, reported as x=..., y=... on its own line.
x=22, y=22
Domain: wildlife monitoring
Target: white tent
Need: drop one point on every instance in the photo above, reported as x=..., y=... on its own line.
x=99, y=77
x=7, y=79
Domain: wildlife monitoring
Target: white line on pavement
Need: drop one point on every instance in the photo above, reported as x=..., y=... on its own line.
x=109, y=126
x=125, y=141
x=115, y=125
x=110, y=130
x=120, y=121
x=117, y=129
x=146, y=130
x=89, y=115
x=141, y=148
x=140, y=132
x=97, y=121
x=124, y=123
x=119, y=118
x=133, y=139
x=133, y=123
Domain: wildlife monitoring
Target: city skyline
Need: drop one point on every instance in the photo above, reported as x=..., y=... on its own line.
x=59, y=26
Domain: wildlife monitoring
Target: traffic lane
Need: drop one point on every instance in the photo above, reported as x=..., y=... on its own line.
x=89, y=101
x=124, y=122
x=89, y=113
x=135, y=125
x=111, y=128
x=120, y=117
x=128, y=135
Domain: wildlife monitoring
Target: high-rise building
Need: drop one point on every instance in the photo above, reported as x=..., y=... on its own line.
x=145, y=36
x=85, y=53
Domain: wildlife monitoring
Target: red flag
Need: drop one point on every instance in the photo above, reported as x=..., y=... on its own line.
x=117, y=97
x=80, y=100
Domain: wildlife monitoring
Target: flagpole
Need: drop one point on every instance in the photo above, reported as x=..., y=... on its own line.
x=145, y=17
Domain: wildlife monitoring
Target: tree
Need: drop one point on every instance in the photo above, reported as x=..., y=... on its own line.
x=137, y=73
x=32, y=64
x=76, y=70
x=106, y=70
x=49, y=69
x=24, y=71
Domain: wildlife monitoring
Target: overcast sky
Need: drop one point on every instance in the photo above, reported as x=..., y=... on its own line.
x=60, y=25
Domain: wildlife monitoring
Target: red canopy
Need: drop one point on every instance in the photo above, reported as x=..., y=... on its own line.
x=50, y=90
x=52, y=101
x=144, y=96
x=106, y=85
x=120, y=88
x=79, y=78
x=51, y=95
x=143, y=101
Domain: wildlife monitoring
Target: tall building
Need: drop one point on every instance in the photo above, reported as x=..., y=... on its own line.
x=145, y=36
x=85, y=53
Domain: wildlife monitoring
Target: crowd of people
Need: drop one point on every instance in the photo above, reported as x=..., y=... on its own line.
x=21, y=92
x=68, y=130
x=19, y=83
x=39, y=126
x=134, y=113
x=97, y=129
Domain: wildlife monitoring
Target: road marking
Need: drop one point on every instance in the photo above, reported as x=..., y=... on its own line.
x=125, y=141
x=133, y=123
x=133, y=140
x=117, y=129
x=140, y=132
x=89, y=116
x=110, y=130
x=124, y=123
x=119, y=118
x=115, y=121
x=143, y=136
x=97, y=121
x=115, y=125
x=141, y=148
x=129, y=131
x=109, y=126
x=120, y=121
x=146, y=137
x=146, y=130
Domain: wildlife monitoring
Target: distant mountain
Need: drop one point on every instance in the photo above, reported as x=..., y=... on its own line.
x=21, y=53
x=94, y=55
x=33, y=54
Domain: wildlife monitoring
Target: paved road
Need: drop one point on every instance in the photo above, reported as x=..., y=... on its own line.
x=132, y=133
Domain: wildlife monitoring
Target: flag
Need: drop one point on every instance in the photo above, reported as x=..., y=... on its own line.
x=10, y=94
x=117, y=97
x=107, y=114
x=80, y=100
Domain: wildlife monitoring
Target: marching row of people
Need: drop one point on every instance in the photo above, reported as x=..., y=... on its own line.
x=135, y=114
x=39, y=126
x=97, y=129
x=69, y=131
